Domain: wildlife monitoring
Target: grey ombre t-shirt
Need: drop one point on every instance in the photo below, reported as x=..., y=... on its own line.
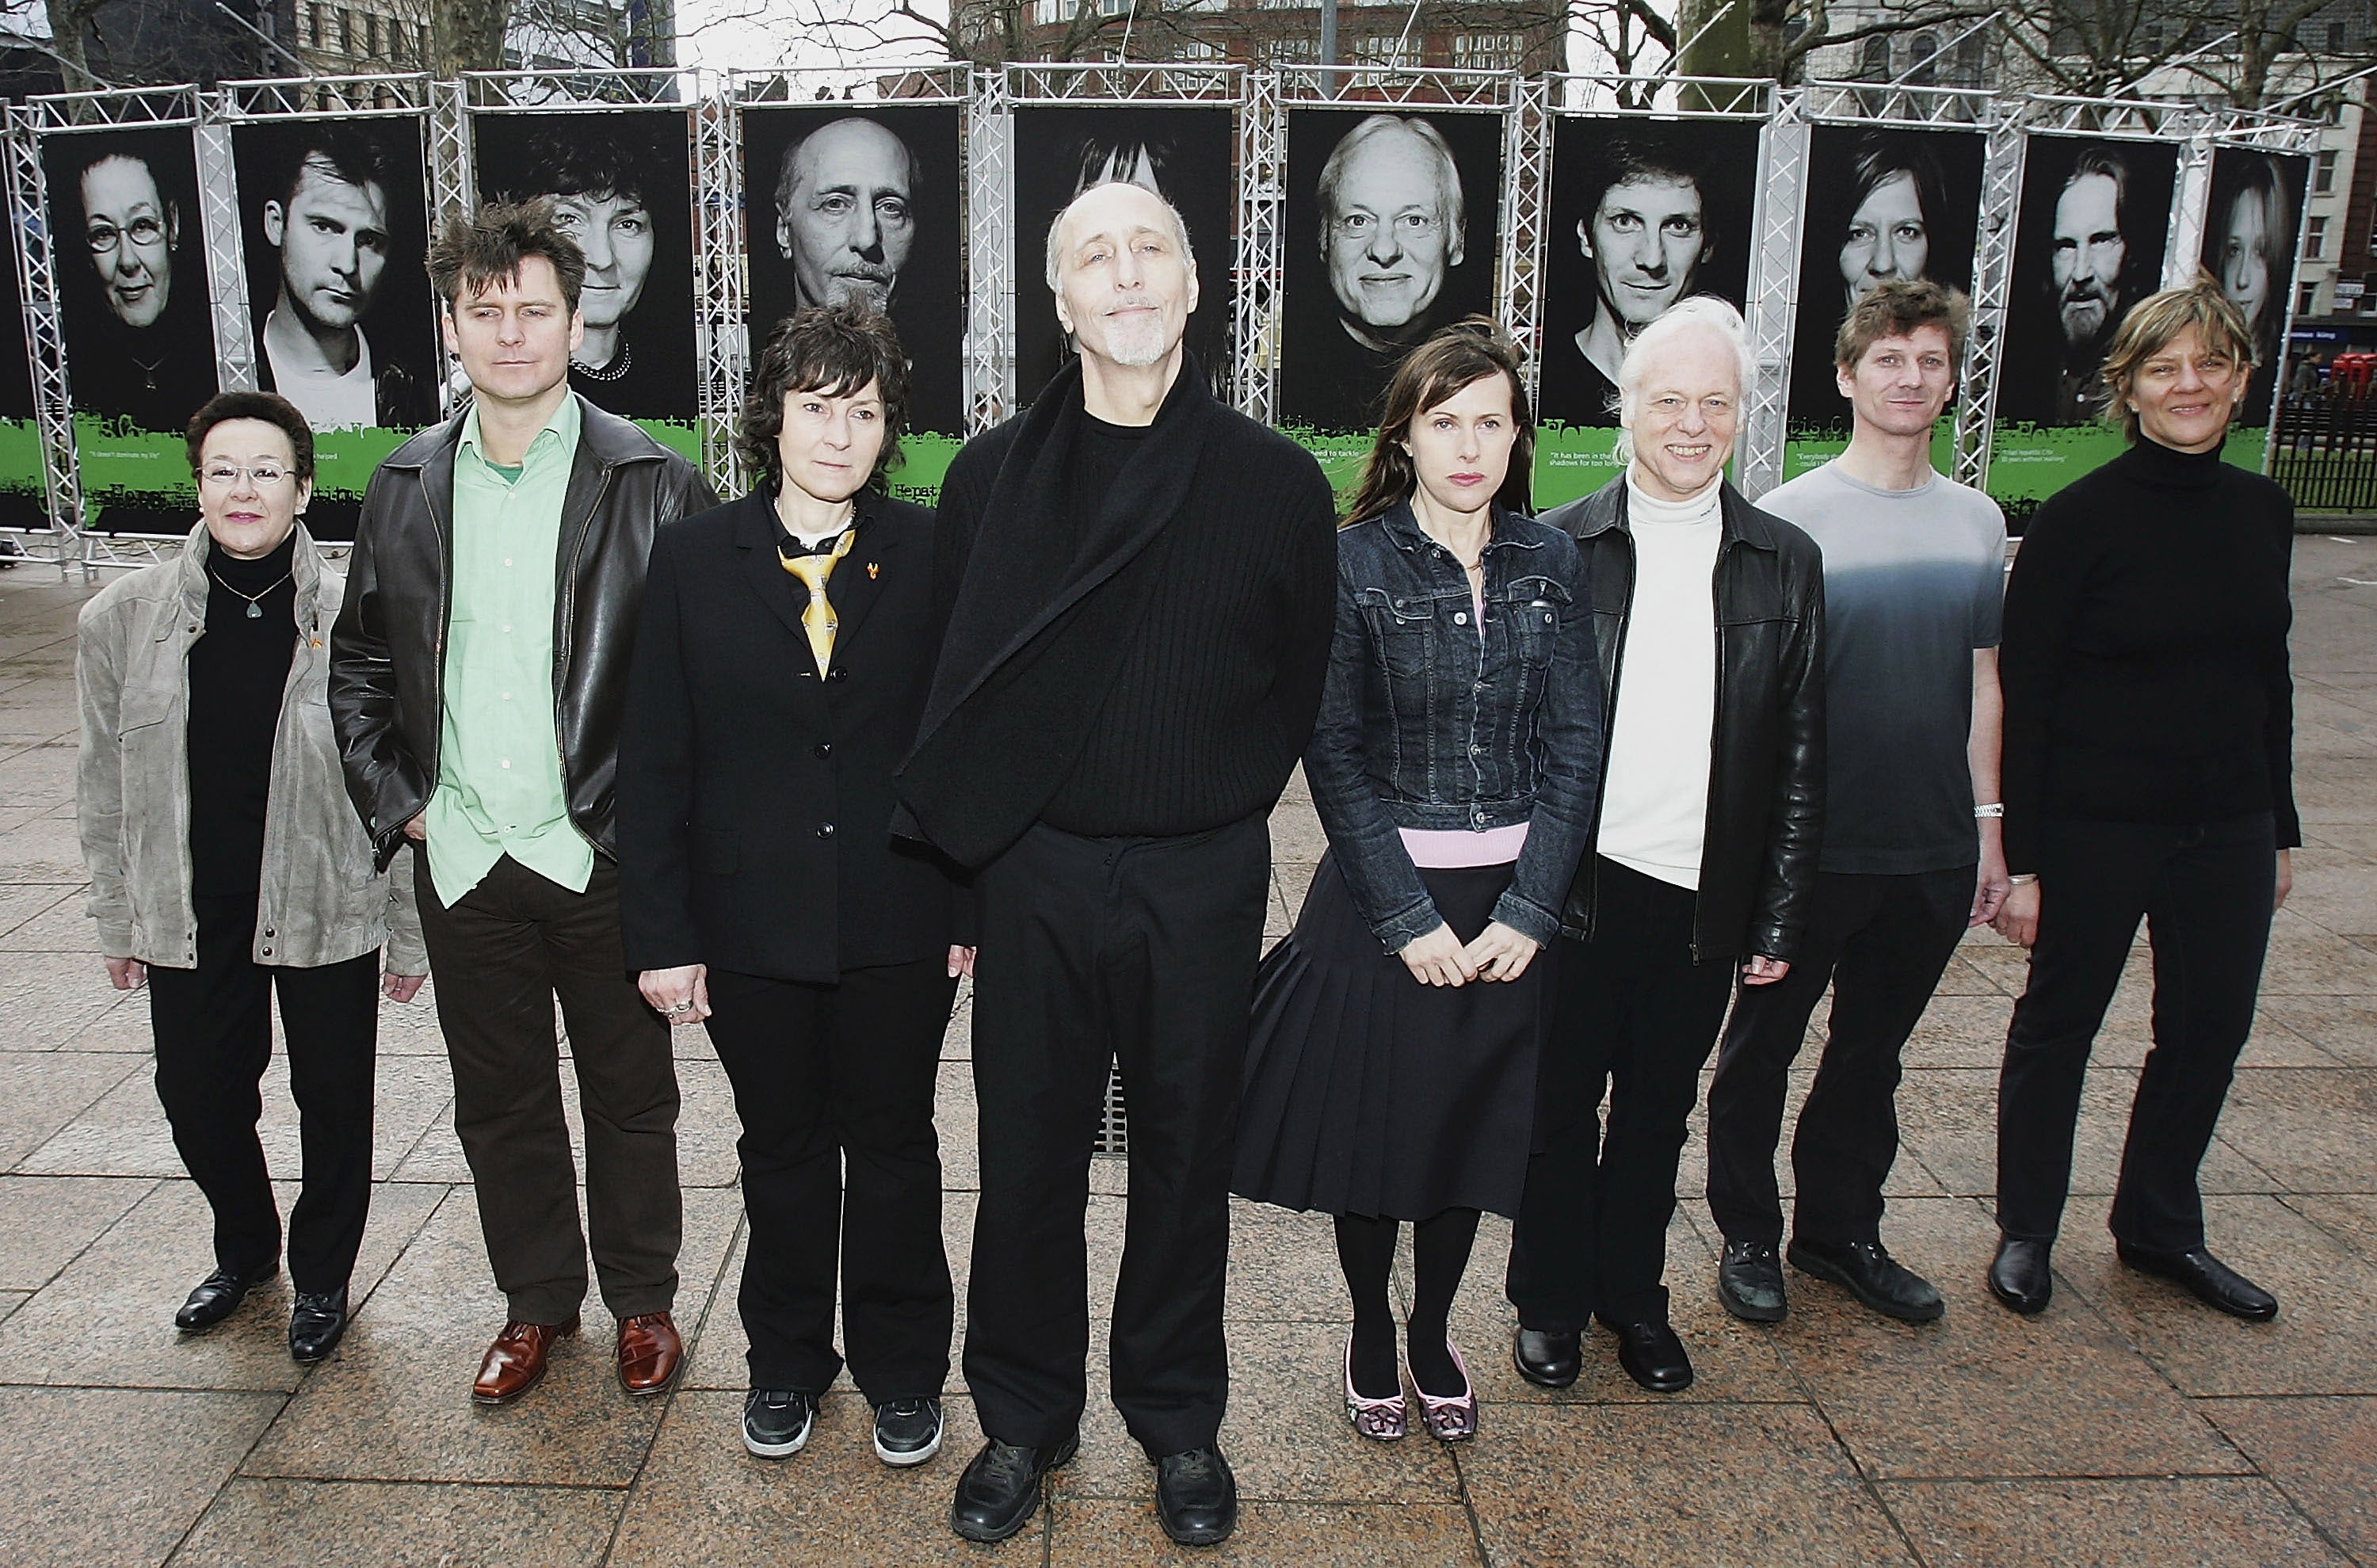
x=1913, y=582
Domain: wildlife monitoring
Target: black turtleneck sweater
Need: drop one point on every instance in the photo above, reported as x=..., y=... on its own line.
x=238, y=668
x=2144, y=660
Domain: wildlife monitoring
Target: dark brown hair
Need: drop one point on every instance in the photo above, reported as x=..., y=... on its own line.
x=1895, y=308
x=832, y=349
x=1469, y=350
x=478, y=250
x=269, y=407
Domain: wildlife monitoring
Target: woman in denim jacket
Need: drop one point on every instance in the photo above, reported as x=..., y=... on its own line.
x=1391, y=1071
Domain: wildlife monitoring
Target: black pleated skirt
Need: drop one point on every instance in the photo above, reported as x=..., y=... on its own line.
x=1367, y=1093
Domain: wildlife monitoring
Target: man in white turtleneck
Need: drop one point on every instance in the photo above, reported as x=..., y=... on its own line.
x=1709, y=615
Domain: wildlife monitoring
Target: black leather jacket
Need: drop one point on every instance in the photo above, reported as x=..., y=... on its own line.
x=1766, y=782
x=387, y=652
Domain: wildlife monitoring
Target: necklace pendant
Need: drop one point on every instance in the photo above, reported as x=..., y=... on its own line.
x=256, y=612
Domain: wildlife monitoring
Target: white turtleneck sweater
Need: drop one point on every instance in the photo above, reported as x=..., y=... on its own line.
x=1655, y=800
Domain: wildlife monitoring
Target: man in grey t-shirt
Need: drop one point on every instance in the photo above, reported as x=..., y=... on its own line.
x=1914, y=568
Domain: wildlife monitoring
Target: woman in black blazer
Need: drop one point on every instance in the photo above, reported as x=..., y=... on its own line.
x=780, y=664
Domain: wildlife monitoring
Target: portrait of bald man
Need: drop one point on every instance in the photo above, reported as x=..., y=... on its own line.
x=1393, y=208
x=865, y=204
x=845, y=212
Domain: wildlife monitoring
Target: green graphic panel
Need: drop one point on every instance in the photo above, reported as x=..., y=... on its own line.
x=1574, y=460
x=21, y=458
x=1801, y=453
x=2028, y=463
x=120, y=462
x=923, y=463
x=1340, y=454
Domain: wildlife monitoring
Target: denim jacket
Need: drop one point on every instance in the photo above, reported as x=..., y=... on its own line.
x=1426, y=724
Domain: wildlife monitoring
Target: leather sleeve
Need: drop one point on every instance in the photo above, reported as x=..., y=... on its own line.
x=1795, y=825
x=656, y=924
x=386, y=781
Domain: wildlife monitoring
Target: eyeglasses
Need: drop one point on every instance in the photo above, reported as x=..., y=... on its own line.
x=264, y=476
x=142, y=232
x=1407, y=225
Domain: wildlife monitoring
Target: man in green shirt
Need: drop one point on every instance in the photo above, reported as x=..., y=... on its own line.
x=478, y=677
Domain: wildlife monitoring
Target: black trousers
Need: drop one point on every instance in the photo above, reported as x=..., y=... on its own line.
x=2205, y=892
x=1140, y=950
x=499, y=954
x=1635, y=1019
x=213, y=1026
x=1882, y=943
x=841, y=1174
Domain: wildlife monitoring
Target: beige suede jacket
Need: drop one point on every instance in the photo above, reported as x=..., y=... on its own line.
x=320, y=901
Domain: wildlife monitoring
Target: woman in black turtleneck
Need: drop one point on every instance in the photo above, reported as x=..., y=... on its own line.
x=228, y=867
x=2147, y=774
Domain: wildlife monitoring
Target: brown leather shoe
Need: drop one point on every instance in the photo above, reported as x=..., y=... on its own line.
x=649, y=1353
x=516, y=1360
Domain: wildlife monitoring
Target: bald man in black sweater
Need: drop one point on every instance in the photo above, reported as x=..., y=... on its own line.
x=1138, y=586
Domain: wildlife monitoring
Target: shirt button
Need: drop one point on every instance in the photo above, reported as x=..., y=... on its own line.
x=507, y=626
x=1459, y=617
x=1484, y=685
x=822, y=749
x=507, y=560
x=507, y=696
x=505, y=763
x=825, y=829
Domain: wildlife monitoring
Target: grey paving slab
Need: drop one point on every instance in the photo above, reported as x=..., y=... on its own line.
x=285, y=1523
x=114, y=1476
x=41, y=1092
x=51, y=1220
x=2204, y=1522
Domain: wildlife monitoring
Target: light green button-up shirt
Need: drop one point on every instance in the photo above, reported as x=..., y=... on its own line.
x=499, y=789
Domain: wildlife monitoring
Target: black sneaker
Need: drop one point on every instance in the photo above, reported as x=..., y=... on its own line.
x=907, y=1432
x=1872, y=1275
x=776, y=1421
x=1749, y=1283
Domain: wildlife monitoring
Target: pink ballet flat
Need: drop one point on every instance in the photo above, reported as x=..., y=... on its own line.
x=1453, y=1419
x=1380, y=1420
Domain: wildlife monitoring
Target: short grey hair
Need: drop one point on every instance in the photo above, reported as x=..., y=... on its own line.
x=1702, y=312
x=1179, y=225
x=1452, y=205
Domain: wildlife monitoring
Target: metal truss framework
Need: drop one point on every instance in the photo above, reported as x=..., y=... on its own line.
x=37, y=292
x=1261, y=97
x=69, y=114
x=1263, y=198
x=2002, y=160
x=990, y=268
x=1527, y=197
x=453, y=187
x=1773, y=292
x=721, y=334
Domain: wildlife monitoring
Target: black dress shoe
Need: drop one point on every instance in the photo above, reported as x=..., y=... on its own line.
x=1196, y=1497
x=1872, y=1275
x=2020, y=1275
x=316, y=1324
x=218, y=1296
x=1000, y=1490
x=1749, y=1283
x=1548, y=1358
x=2207, y=1278
x=1653, y=1356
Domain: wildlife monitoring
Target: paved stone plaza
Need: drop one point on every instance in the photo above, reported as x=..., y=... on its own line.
x=2127, y=1425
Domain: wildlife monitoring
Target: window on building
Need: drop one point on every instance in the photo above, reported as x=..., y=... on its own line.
x=1925, y=72
x=2315, y=238
x=1381, y=49
x=396, y=43
x=1873, y=64
x=2335, y=38
x=1487, y=50
x=371, y=32
x=2323, y=178
x=2307, y=299
x=346, y=31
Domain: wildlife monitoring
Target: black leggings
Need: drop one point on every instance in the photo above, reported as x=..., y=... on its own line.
x=1365, y=1251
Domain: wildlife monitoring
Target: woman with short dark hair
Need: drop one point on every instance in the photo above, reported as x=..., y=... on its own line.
x=228, y=866
x=781, y=667
x=2149, y=775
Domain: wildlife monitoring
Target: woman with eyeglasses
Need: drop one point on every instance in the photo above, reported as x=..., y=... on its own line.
x=229, y=868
